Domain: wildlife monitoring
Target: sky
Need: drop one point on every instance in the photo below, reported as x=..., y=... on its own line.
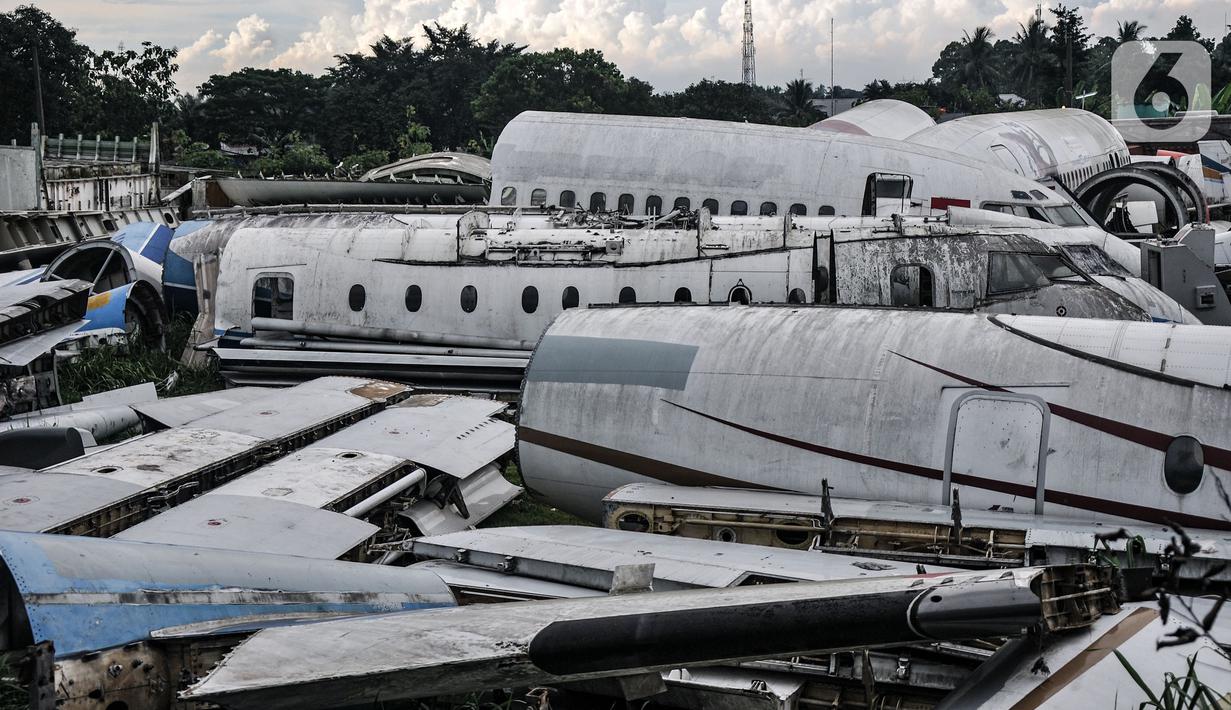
x=669, y=43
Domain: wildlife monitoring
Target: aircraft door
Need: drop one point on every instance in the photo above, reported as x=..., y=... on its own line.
x=823, y=277
x=1007, y=159
x=886, y=194
x=996, y=451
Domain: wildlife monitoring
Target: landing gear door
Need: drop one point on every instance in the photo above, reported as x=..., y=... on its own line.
x=996, y=451
x=824, y=284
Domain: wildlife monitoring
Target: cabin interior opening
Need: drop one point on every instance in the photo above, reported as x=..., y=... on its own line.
x=273, y=296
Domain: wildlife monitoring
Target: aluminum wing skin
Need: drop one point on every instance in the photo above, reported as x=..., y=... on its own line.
x=86, y=594
x=148, y=472
x=312, y=502
x=364, y=661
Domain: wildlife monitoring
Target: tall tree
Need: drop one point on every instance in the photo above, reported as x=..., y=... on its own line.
x=1129, y=31
x=559, y=80
x=797, y=108
x=129, y=90
x=370, y=93
x=723, y=101
x=457, y=66
x=1070, y=44
x=1220, y=60
x=978, y=69
x=1186, y=30
x=1033, y=63
x=260, y=107
x=65, y=68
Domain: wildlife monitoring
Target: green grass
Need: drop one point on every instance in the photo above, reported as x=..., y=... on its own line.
x=525, y=510
x=100, y=369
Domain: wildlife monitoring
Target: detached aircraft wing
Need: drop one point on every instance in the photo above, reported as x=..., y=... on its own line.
x=361, y=661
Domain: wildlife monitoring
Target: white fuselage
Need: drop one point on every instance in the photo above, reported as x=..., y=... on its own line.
x=646, y=165
x=1085, y=419
x=480, y=276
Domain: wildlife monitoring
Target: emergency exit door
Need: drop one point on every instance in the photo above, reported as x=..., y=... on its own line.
x=996, y=451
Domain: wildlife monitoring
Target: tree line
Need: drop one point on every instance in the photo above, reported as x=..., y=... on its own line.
x=1040, y=63
x=455, y=91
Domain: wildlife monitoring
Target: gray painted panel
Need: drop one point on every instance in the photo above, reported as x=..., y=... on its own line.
x=612, y=361
x=251, y=524
x=32, y=501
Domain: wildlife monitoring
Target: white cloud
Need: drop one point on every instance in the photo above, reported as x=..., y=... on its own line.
x=203, y=44
x=249, y=44
x=672, y=42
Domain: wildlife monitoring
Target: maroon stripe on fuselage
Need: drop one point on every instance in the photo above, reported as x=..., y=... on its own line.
x=1214, y=456
x=685, y=476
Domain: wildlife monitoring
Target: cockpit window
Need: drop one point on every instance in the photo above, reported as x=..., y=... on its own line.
x=1009, y=272
x=1093, y=260
x=1065, y=216
x=1027, y=211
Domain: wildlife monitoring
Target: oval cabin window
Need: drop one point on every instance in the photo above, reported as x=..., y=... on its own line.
x=529, y=299
x=682, y=204
x=625, y=204
x=711, y=204
x=769, y=209
x=739, y=208
x=598, y=202
x=568, y=199
x=653, y=205
x=538, y=197
x=799, y=209
x=628, y=295
x=508, y=196
x=414, y=298
x=570, y=298
x=1184, y=464
x=470, y=299
x=357, y=297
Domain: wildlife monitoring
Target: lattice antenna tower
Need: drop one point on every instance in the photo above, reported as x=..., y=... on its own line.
x=750, y=52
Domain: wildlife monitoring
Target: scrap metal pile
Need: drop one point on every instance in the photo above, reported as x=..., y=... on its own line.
x=950, y=448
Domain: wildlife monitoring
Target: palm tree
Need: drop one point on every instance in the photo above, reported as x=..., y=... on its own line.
x=1129, y=31
x=978, y=69
x=1032, y=57
x=797, y=103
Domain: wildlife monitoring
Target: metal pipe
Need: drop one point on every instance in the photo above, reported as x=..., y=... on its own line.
x=399, y=486
x=389, y=348
x=397, y=335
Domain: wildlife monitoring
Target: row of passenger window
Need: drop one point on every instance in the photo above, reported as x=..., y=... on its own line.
x=273, y=297
x=569, y=298
x=626, y=203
